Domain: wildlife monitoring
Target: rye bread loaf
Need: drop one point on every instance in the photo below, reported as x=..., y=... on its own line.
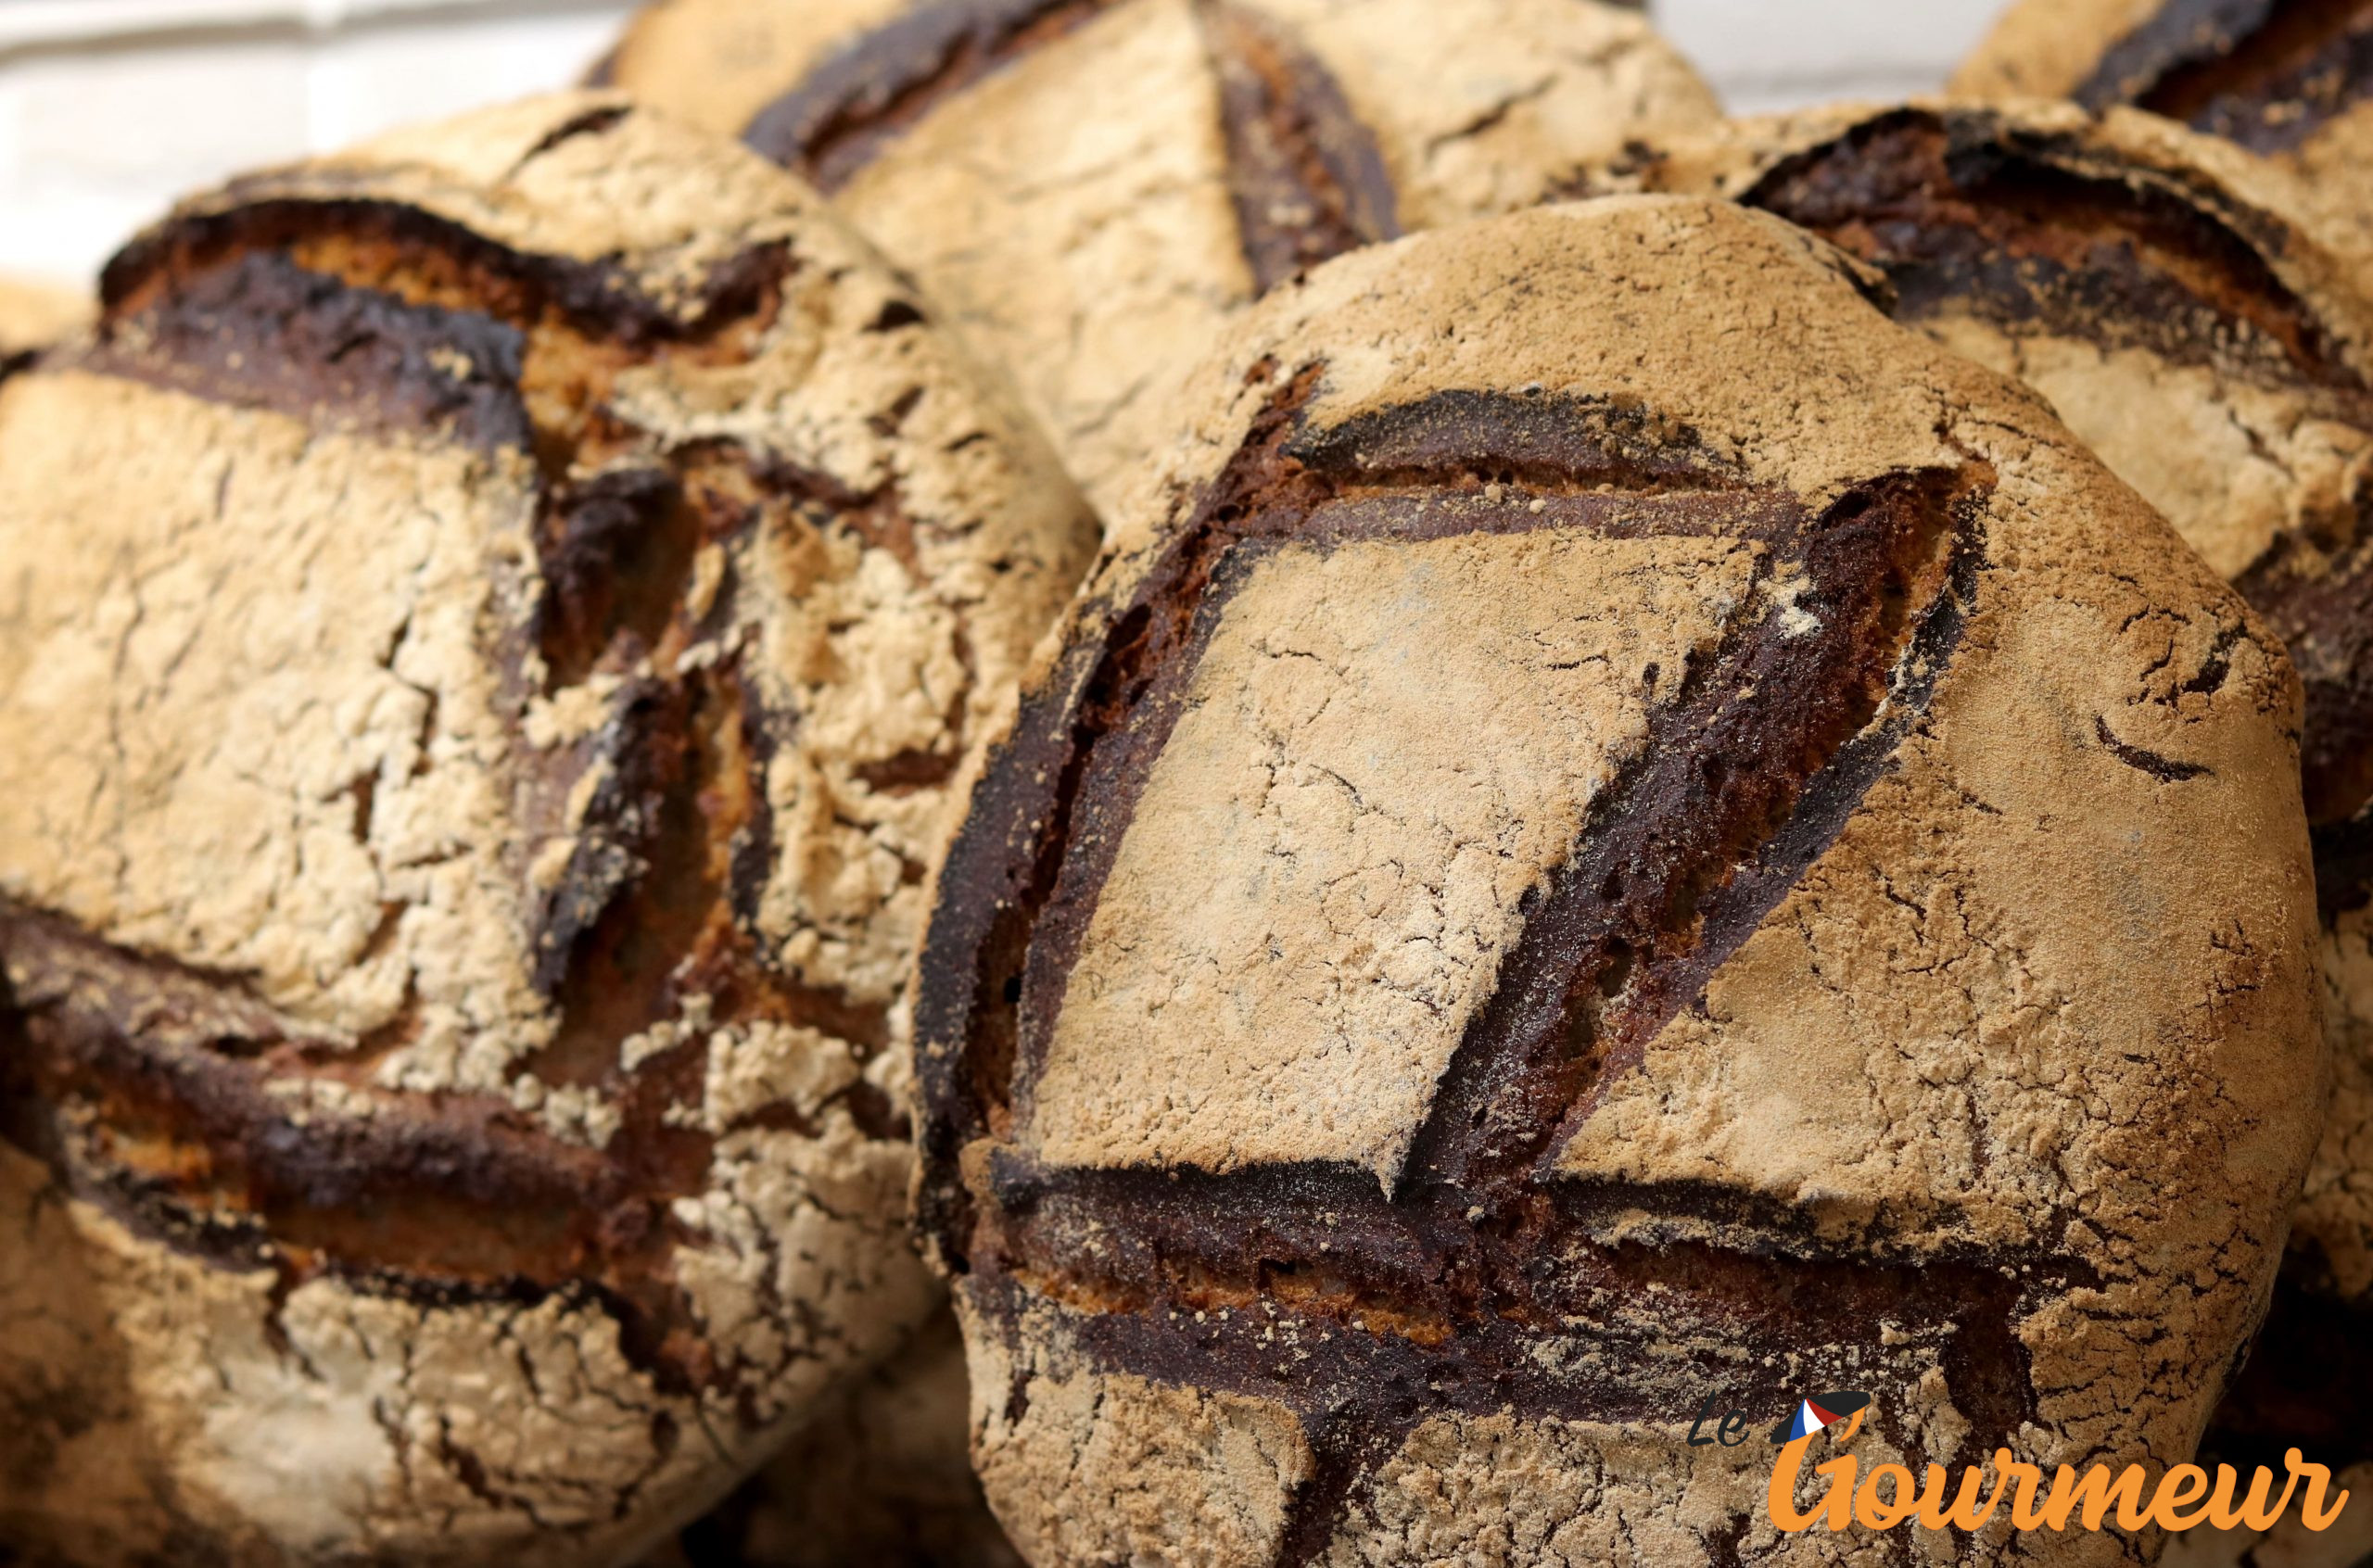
x=492, y=619
x=1093, y=186
x=2291, y=80
x=1614, y=830
x=2216, y=356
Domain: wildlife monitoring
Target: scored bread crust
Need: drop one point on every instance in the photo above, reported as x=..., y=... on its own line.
x=2142, y=277
x=2284, y=79
x=2049, y=48
x=1672, y=869
x=494, y=618
x=1093, y=186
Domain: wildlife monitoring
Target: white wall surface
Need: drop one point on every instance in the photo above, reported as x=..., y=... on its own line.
x=110, y=107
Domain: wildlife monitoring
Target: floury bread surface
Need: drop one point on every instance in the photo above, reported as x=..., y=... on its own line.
x=492, y=619
x=1093, y=185
x=1675, y=842
x=2214, y=355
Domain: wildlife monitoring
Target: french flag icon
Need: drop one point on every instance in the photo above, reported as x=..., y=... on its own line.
x=1813, y=1415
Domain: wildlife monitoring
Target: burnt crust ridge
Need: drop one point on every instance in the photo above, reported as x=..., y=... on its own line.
x=2266, y=74
x=1307, y=178
x=262, y=332
x=1963, y=205
x=858, y=99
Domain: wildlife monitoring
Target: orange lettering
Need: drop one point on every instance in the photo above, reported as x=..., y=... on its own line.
x=2095, y=1490
x=2183, y=1498
x=2253, y=1512
x=2181, y=1487
x=2312, y=1512
x=1878, y=1515
x=1780, y=1498
x=2023, y=1505
x=1964, y=1514
x=1841, y=1489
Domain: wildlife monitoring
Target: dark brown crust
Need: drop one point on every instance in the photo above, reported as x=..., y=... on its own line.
x=264, y=333
x=1437, y=1296
x=1308, y=181
x=2264, y=73
x=1965, y=212
x=2344, y=864
x=861, y=98
x=143, y=1085
x=1961, y=209
x=598, y=299
x=2317, y=597
x=1306, y=177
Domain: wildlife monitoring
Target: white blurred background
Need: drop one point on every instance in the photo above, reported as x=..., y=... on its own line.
x=108, y=109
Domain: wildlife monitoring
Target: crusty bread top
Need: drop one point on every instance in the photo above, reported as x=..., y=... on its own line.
x=2146, y=281
x=2214, y=354
x=494, y=614
x=1603, y=800
x=1092, y=185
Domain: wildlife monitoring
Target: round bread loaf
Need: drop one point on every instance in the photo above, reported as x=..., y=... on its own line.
x=1093, y=186
x=2215, y=357
x=1617, y=834
x=493, y=620
x=2290, y=79
x=35, y=314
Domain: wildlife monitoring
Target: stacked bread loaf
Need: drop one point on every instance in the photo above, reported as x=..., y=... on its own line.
x=1706, y=764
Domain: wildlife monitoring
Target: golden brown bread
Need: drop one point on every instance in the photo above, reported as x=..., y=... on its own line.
x=1093, y=186
x=1612, y=827
x=493, y=618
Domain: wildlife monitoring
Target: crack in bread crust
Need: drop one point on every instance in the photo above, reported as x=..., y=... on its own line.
x=857, y=99
x=452, y=992
x=1307, y=178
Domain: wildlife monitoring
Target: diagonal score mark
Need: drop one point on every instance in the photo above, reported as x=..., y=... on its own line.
x=856, y=102
x=1307, y=177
